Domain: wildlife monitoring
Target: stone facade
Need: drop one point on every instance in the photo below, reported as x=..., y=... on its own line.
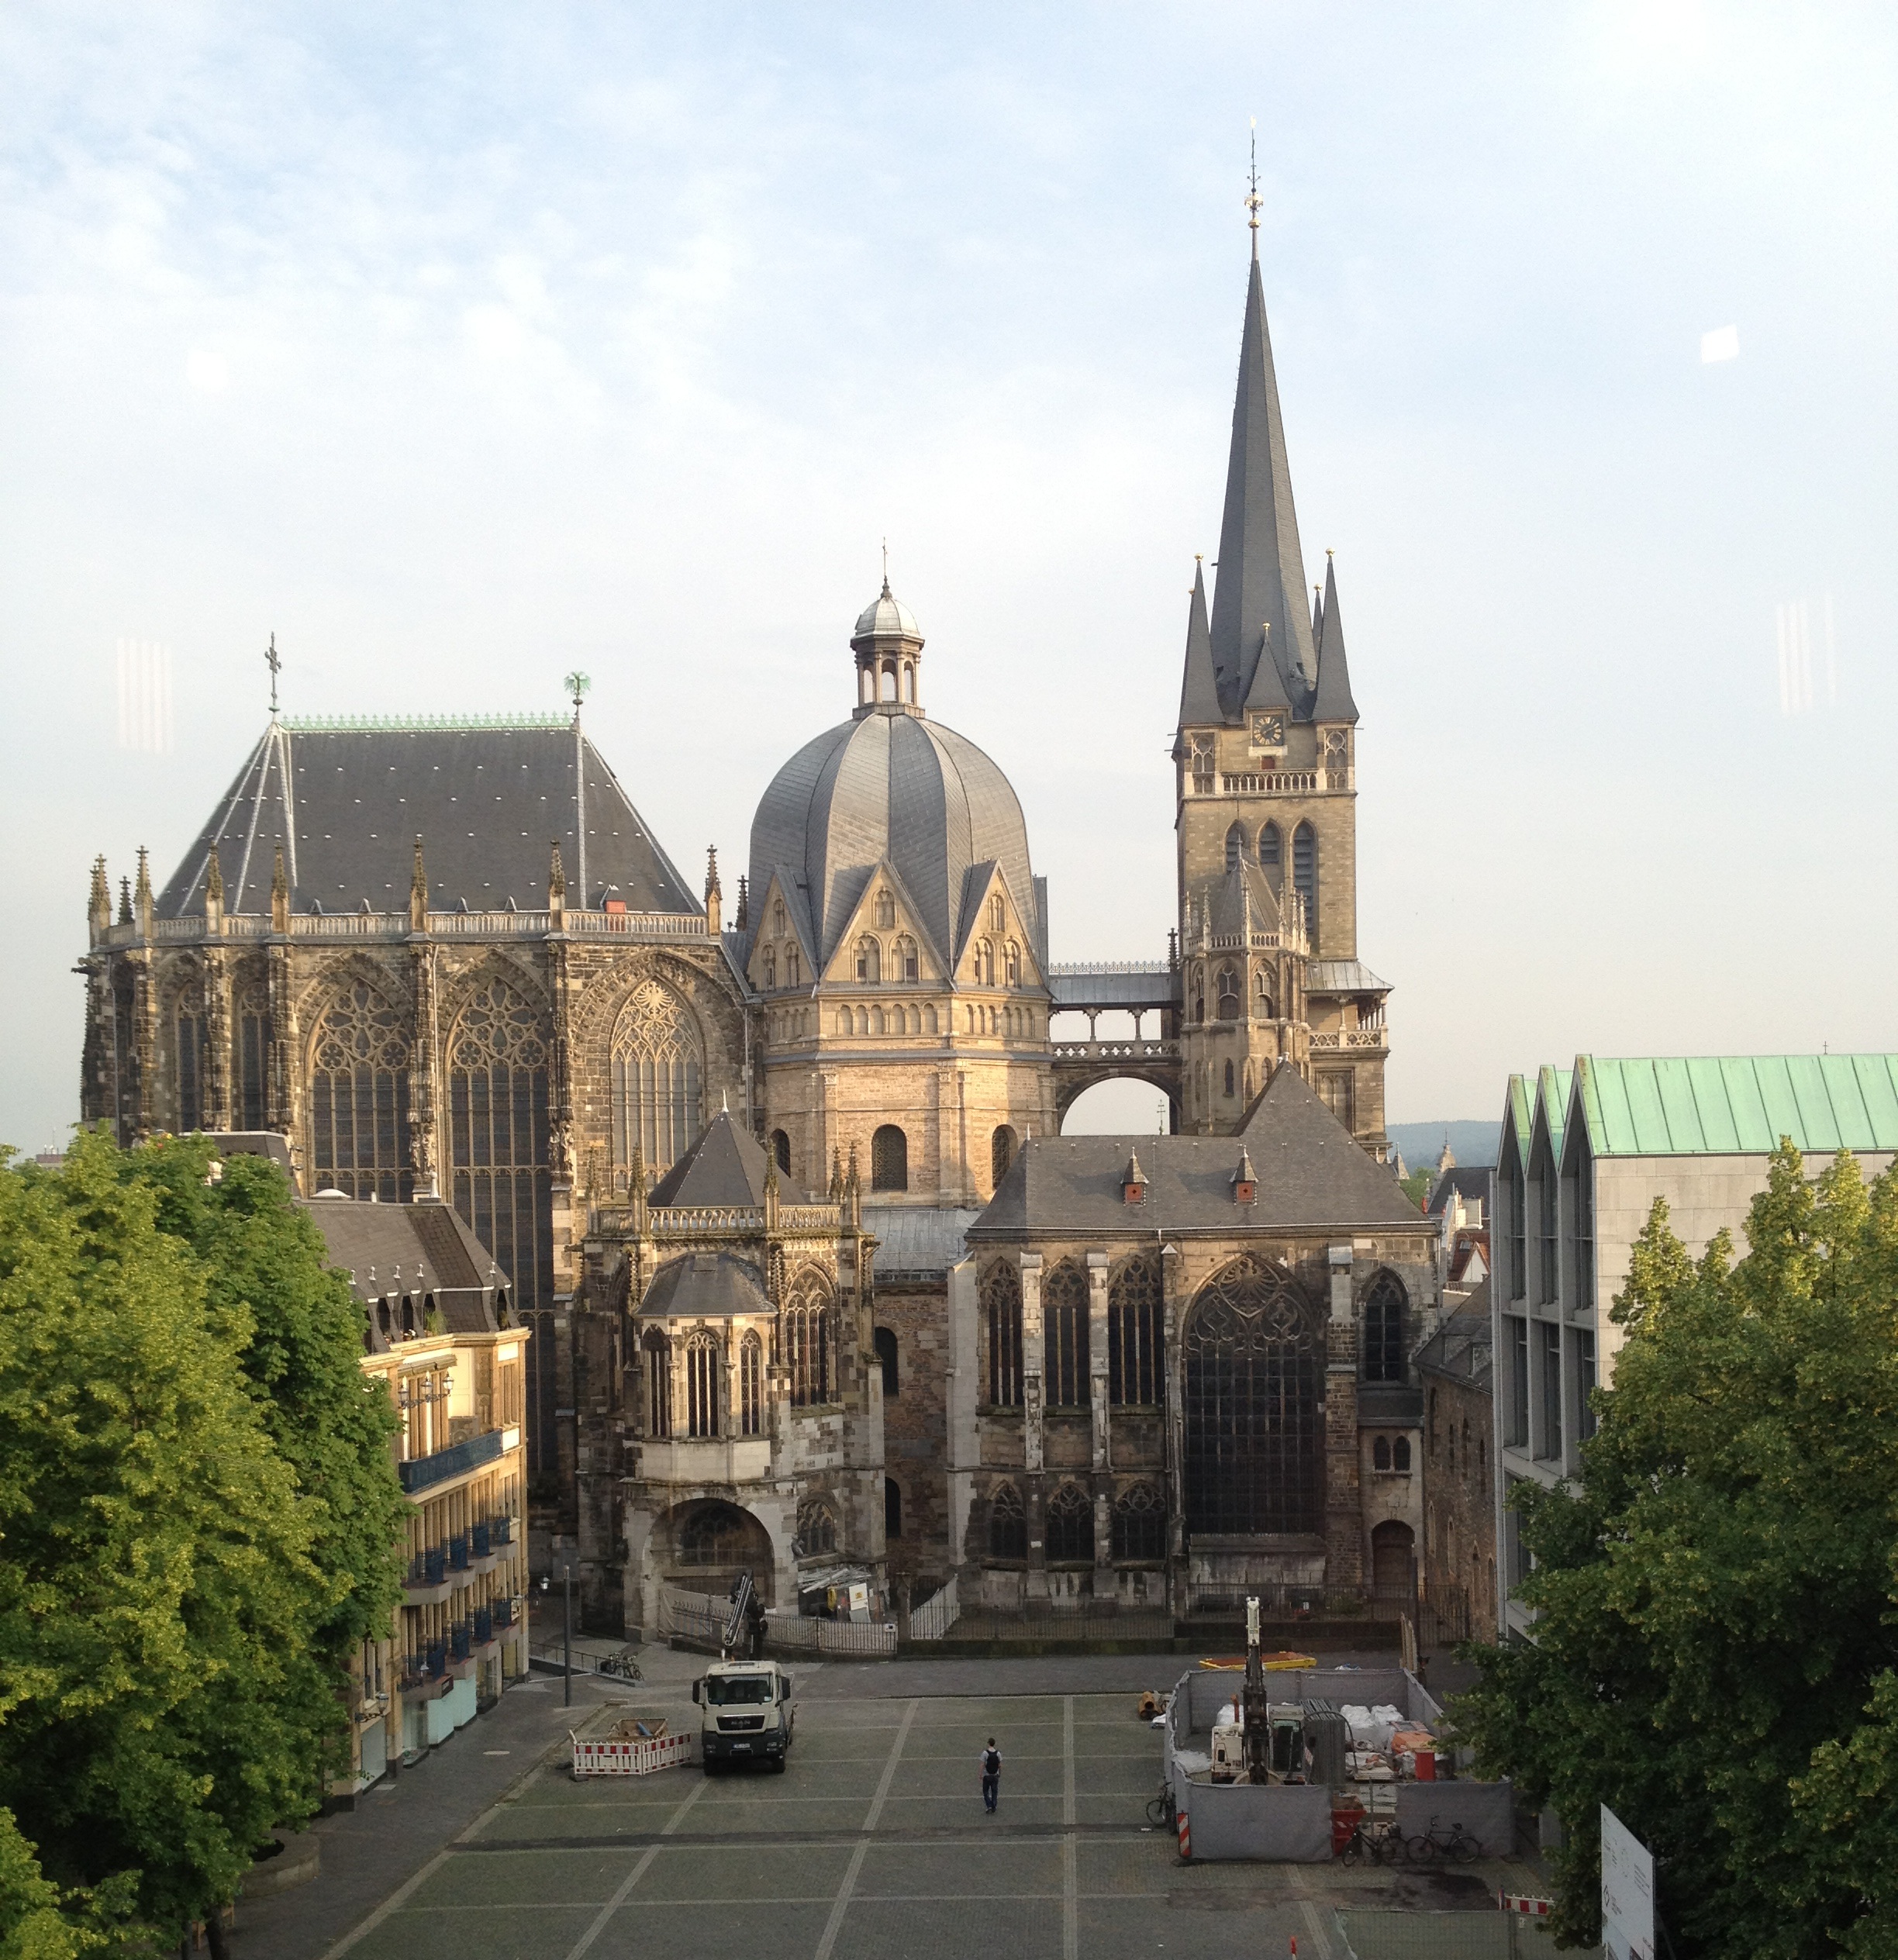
x=1459, y=1473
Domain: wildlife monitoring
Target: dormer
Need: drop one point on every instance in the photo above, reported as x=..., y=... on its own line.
x=1244, y=1183
x=1133, y=1182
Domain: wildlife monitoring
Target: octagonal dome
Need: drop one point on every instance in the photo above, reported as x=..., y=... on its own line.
x=885, y=618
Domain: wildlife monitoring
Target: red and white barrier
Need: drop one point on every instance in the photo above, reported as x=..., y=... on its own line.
x=1186, y=1840
x=638, y=1759
x=1516, y=1902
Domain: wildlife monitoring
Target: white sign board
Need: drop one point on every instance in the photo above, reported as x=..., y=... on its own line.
x=1628, y=1891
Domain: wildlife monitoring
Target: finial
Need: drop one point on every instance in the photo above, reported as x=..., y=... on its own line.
x=886, y=590
x=214, y=877
x=711, y=877
x=744, y=904
x=125, y=901
x=273, y=661
x=1327, y=550
x=1252, y=199
x=724, y=1103
x=557, y=874
x=576, y=684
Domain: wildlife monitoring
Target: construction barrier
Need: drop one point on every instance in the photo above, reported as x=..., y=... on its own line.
x=1186, y=1840
x=1514, y=1902
x=629, y=1759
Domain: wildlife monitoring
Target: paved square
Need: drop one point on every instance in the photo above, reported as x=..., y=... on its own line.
x=874, y=1842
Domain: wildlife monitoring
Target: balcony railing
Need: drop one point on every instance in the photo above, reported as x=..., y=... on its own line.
x=484, y=1626
x=482, y=1541
x=459, y=1636
x=500, y=1531
x=503, y=1612
x=422, y=1472
x=458, y=1554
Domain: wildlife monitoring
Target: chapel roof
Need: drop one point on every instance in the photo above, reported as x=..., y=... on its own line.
x=423, y=1251
x=724, y=1165
x=705, y=1285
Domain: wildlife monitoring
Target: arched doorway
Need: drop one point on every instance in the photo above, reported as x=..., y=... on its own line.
x=702, y=1547
x=1393, y=1562
x=1255, y=1431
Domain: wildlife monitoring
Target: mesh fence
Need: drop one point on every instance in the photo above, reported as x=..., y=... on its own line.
x=1449, y=1936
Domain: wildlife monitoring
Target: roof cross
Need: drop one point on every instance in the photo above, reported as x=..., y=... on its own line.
x=273, y=661
x=1254, y=201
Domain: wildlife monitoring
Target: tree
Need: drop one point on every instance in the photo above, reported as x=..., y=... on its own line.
x=1715, y=1599
x=36, y=1921
x=266, y=1266
x=163, y=1699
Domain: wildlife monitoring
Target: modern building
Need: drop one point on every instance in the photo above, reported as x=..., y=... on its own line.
x=439, y=1332
x=1586, y=1152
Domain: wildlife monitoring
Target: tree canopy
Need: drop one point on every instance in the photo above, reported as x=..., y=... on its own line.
x=1717, y=1598
x=184, y=1533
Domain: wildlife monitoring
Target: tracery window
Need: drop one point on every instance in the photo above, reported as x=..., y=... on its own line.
x=657, y=1352
x=703, y=1363
x=359, y=1097
x=1267, y=1002
x=771, y=969
x=1272, y=852
x=1140, y=1524
x=251, y=1033
x=885, y=909
x=794, y=967
x=191, y=1049
x=869, y=961
x=718, y=1534
x=1235, y=847
x=1001, y=1153
x=1013, y=964
x=1384, y=1359
x=805, y=1344
x=889, y=1159
x=1228, y=993
x=501, y=1171
x=1008, y=1523
x=906, y=956
x=1064, y=1322
x=1136, y=1377
x=816, y=1528
x=984, y=963
x=1070, y=1525
x=997, y=916
x=1198, y=993
x=659, y=1067
x=1254, y=1442
x=751, y=1386
x=778, y=918
x=1305, y=875
x=1002, y=1312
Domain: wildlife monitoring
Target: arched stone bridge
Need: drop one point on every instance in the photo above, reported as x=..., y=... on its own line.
x=1095, y=987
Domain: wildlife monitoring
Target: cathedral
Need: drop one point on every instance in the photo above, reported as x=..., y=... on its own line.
x=815, y=1281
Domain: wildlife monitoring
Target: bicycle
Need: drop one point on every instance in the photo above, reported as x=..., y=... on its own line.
x=1384, y=1842
x=1160, y=1810
x=622, y=1666
x=1427, y=1846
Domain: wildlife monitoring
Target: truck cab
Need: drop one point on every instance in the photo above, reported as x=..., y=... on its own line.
x=745, y=1714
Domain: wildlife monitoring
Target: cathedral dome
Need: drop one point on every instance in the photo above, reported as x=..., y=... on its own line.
x=885, y=618
x=890, y=784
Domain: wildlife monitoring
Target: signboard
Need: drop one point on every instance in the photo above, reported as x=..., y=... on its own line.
x=1628, y=1891
x=859, y=1602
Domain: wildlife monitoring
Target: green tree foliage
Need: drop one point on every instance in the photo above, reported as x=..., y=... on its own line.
x=266, y=1268
x=1417, y=1187
x=163, y=1701
x=36, y=1922
x=1718, y=1599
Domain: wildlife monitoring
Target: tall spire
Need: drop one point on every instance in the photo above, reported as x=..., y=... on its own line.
x=1333, y=701
x=1262, y=636
x=1200, y=701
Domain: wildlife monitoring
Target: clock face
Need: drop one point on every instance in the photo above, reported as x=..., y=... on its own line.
x=1269, y=731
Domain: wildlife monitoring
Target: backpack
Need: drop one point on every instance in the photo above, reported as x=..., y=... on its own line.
x=991, y=1762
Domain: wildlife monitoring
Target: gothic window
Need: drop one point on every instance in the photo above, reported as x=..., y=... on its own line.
x=703, y=1363
x=1198, y=993
x=658, y=1069
x=1400, y=1455
x=1228, y=993
x=778, y=918
x=771, y=969
x=892, y=1509
x=889, y=1159
x=1140, y=1524
x=869, y=961
x=1001, y=1153
x=1065, y=1319
x=884, y=1340
x=1002, y=1311
x=1338, y=1092
x=997, y=916
x=657, y=1351
x=189, y=1029
x=1380, y=1453
x=1337, y=754
x=984, y=963
x=1305, y=875
x=806, y=1341
x=1070, y=1525
x=718, y=1534
x=1267, y=1002
x=1012, y=964
x=359, y=1097
x=1254, y=1443
x=907, y=963
x=1229, y=1079
x=816, y=1528
x=794, y=967
x=1203, y=763
x=1135, y=1377
x=781, y=1152
x=751, y=1386
x=1272, y=852
x=1235, y=847
x=502, y=1182
x=886, y=909
x=1384, y=1359
x=1008, y=1524
x=252, y=1032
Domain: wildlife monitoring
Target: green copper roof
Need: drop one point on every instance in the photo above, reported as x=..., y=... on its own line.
x=1522, y=1112
x=1711, y=1105
x=1552, y=1097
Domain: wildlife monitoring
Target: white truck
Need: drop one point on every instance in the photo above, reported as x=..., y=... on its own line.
x=745, y=1714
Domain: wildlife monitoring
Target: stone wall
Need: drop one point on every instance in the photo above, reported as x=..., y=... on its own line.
x=1459, y=1501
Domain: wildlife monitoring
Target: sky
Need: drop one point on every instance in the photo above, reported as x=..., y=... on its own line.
x=458, y=346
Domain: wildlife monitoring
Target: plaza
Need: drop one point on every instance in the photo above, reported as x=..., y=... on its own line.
x=873, y=1842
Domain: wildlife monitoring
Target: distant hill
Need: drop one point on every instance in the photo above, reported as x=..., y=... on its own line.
x=1421, y=1144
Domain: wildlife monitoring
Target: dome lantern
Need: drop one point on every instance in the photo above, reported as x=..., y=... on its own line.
x=889, y=646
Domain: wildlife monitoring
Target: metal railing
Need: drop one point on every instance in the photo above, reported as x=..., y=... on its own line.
x=934, y=1618
x=1065, y=1619
x=423, y=1472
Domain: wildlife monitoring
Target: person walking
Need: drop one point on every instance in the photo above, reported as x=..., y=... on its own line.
x=990, y=1775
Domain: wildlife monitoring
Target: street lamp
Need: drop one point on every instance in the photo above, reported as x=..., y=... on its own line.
x=566, y=1631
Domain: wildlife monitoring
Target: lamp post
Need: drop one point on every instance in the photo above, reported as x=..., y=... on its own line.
x=566, y=1628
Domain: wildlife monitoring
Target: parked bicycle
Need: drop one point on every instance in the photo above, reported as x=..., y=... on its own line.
x=1160, y=1809
x=1429, y=1846
x=622, y=1666
x=1383, y=1842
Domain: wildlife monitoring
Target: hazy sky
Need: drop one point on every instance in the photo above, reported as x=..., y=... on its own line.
x=459, y=346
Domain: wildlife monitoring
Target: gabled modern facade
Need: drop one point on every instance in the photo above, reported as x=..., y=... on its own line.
x=1584, y=1152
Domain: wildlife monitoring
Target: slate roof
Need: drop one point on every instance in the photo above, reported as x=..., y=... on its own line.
x=705, y=1285
x=922, y=1241
x=1343, y=977
x=889, y=783
x=1333, y=701
x=348, y=802
x=1674, y=1106
x=1467, y=1183
x=1462, y=1346
x=724, y=1165
x=1312, y=1176
x=1116, y=985
x=420, y=1252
